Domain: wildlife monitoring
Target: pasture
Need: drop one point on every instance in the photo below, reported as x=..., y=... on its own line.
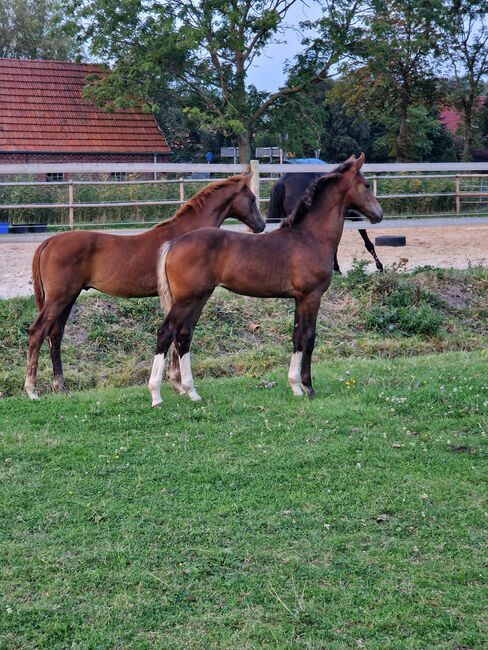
x=252, y=519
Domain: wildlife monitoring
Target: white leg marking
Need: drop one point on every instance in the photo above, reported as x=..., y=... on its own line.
x=294, y=373
x=31, y=389
x=156, y=378
x=187, y=378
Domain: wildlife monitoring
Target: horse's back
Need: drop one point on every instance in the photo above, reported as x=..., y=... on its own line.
x=290, y=188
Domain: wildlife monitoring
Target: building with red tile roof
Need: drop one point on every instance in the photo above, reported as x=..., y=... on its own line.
x=44, y=118
x=451, y=119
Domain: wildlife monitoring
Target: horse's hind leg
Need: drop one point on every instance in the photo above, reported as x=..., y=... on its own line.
x=45, y=325
x=166, y=334
x=37, y=334
x=370, y=248
x=187, y=321
x=179, y=324
x=55, y=337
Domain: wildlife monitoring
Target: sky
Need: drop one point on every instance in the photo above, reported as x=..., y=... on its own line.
x=267, y=71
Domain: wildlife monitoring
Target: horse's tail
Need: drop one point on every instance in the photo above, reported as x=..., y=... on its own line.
x=37, y=284
x=276, y=208
x=164, y=291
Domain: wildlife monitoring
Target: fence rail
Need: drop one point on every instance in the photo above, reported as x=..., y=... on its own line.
x=442, y=189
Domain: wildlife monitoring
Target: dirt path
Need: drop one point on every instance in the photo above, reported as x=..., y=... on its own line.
x=445, y=247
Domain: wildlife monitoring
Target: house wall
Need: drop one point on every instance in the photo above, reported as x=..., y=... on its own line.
x=28, y=157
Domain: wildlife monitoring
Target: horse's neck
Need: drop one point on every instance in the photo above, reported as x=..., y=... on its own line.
x=326, y=221
x=215, y=209
x=210, y=215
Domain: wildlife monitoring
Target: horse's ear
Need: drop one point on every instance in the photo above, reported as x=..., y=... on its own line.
x=359, y=162
x=351, y=159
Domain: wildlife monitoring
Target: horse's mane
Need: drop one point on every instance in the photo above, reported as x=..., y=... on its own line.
x=197, y=202
x=312, y=193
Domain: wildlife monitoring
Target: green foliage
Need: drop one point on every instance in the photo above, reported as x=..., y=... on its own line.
x=254, y=519
x=400, y=305
x=393, y=81
x=29, y=29
x=410, y=319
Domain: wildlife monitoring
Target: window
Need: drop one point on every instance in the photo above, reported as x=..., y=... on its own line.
x=55, y=177
x=118, y=176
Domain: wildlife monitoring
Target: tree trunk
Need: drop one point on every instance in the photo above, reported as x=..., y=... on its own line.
x=468, y=133
x=401, y=152
x=244, y=144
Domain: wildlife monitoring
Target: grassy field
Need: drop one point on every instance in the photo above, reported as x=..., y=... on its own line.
x=110, y=342
x=252, y=519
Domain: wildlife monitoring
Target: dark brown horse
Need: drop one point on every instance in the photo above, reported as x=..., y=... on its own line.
x=295, y=261
x=125, y=266
x=285, y=196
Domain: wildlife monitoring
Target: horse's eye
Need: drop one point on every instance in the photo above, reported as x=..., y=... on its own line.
x=368, y=186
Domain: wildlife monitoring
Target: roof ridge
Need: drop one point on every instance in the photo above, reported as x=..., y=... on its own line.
x=75, y=63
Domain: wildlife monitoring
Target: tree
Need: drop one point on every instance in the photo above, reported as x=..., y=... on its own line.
x=466, y=49
x=202, y=51
x=392, y=79
x=30, y=29
x=311, y=122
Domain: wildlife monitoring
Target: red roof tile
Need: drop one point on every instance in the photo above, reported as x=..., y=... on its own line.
x=42, y=109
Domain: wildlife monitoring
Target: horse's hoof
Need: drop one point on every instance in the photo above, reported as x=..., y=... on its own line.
x=31, y=392
x=310, y=392
x=194, y=396
x=156, y=404
x=60, y=388
x=296, y=390
x=177, y=387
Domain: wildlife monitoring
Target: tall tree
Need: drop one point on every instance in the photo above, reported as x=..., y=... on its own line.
x=203, y=50
x=393, y=68
x=466, y=48
x=30, y=29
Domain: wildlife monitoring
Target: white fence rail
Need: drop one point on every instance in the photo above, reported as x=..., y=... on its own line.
x=461, y=186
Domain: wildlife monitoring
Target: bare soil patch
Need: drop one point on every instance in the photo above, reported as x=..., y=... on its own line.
x=442, y=247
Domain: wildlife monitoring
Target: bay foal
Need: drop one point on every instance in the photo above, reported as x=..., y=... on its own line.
x=118, y=265
x=295, y=261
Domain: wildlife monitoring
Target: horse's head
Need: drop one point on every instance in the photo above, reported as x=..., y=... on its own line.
x=244, y=207
x=359, y=195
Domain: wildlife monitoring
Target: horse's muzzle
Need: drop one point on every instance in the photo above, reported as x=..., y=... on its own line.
x=375, y=214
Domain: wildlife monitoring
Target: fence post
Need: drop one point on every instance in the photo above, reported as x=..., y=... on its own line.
x=182, y=190
x=254, y=184
x=71, y=210
x=375, y=186
x=458, y=199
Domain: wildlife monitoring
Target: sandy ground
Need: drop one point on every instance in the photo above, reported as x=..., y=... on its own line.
x=444, y=247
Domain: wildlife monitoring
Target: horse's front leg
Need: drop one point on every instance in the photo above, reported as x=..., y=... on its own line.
x=299, y=374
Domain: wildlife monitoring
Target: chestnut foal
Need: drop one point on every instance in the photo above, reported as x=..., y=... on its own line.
x=119, y=265
x=295, y=261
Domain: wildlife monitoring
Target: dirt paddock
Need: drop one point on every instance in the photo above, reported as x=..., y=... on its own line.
x=447, y=246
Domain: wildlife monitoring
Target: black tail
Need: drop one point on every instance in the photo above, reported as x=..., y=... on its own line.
x=276, y=208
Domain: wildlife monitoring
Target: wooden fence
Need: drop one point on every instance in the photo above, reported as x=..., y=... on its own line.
x=455, y=188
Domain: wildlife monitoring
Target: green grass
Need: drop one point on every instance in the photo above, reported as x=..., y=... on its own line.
x=110, y=342
x=252, y=519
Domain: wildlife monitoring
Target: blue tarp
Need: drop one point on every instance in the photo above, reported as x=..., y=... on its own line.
x=305, y=161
